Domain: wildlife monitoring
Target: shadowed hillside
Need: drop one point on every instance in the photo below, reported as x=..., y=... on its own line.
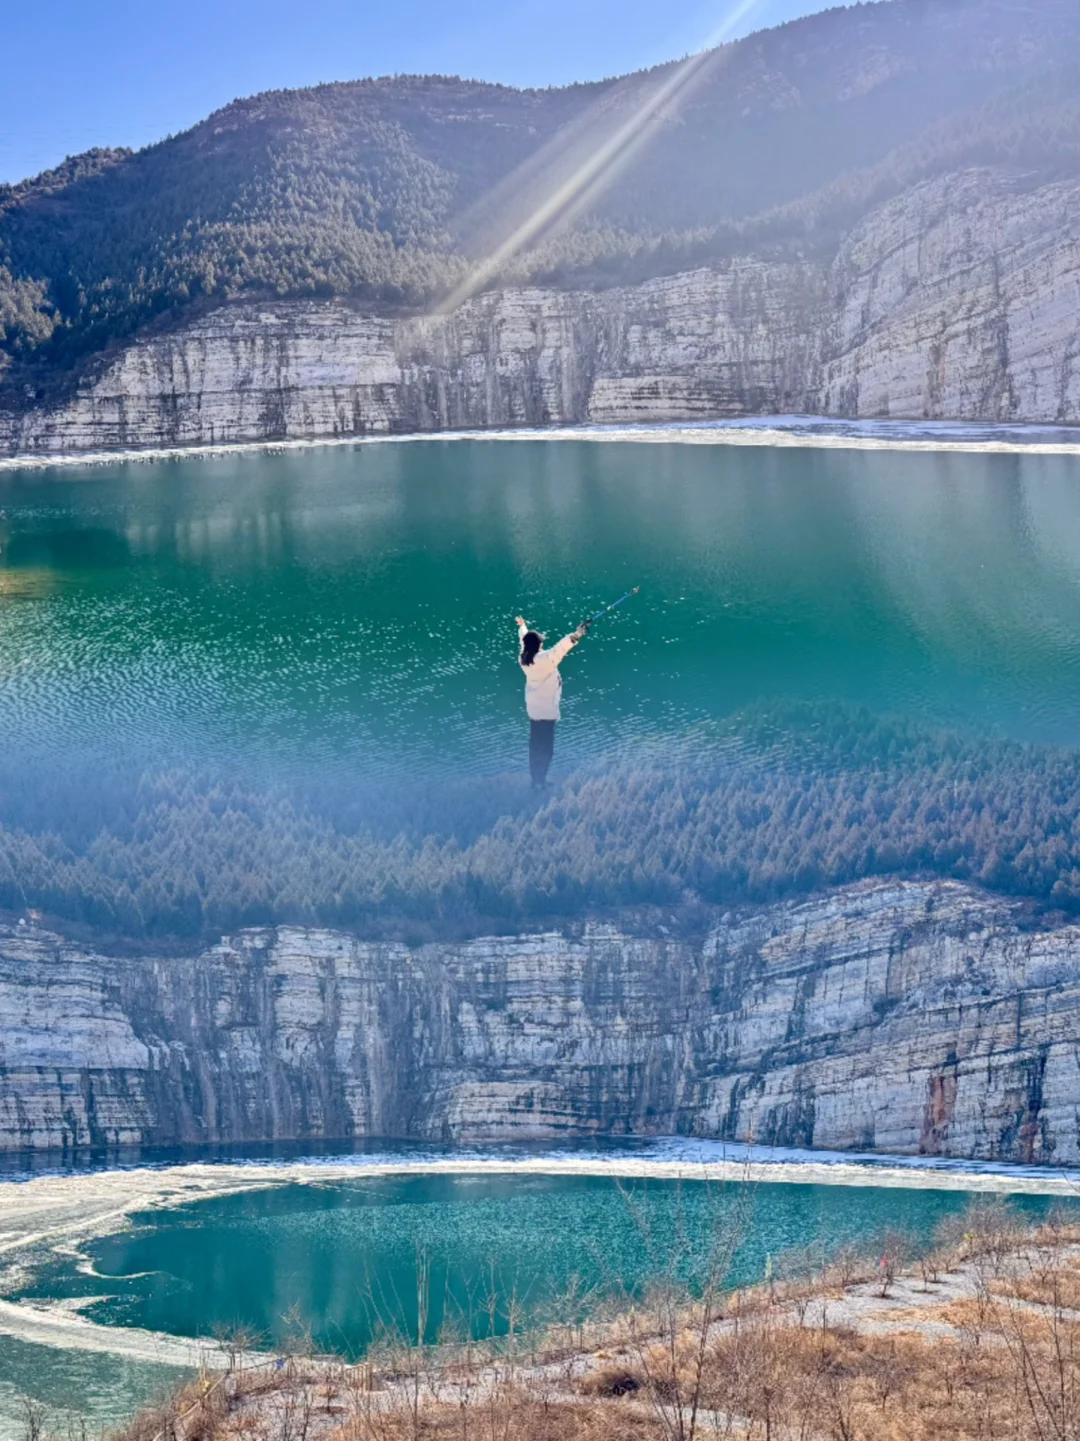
x=388, y=190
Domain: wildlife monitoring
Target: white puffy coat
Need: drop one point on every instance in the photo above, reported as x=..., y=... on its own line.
x=543, y=683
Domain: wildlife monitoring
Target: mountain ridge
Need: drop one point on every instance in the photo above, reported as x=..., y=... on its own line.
x=388, y=191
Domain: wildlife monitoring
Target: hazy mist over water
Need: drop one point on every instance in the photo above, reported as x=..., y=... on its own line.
x=340, y=621
x=350, y=612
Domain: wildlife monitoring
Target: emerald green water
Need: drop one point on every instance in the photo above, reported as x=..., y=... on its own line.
x=345, y=1263
x=348, y=612
x=342, y=1261
x=341, y=621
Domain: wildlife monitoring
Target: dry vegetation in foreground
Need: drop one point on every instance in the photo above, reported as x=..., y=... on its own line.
x=981, y=1340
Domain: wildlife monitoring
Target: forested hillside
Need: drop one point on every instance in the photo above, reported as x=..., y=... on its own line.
x=390, y=190
x=814, y=797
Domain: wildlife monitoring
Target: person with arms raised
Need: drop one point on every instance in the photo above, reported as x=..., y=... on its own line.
x=543, y=692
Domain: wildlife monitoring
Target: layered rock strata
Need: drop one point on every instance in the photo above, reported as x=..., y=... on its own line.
x=958, y=300
x=901, y=1017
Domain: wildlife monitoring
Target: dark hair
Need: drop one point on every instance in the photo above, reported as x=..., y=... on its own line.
x=530, y=644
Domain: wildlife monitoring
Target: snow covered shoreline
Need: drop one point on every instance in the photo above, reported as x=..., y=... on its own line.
x=787, y=431
x=54, y=1212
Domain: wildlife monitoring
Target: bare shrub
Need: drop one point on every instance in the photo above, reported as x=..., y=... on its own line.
x=994, y=1357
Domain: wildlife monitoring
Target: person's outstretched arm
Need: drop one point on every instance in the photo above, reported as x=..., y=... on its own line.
x=566, y=645
x=522, y=627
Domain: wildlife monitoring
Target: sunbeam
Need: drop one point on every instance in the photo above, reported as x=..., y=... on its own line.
x=564, y=197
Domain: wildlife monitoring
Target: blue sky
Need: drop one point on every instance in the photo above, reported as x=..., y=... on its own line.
x=128, y=72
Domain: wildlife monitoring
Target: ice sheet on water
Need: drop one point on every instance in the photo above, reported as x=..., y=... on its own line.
x=643, y=1153
x=781, y=430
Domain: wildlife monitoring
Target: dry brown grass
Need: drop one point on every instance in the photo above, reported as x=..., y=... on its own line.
x=1045, y=1284
x=992, y=1355
x=513, y=1417
x=847, y=1385
x=197, y=1410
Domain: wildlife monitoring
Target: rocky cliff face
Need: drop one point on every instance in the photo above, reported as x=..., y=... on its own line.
x=960, y=299
x=902, y=1017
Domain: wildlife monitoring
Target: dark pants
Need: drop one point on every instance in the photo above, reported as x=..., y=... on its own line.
x=541, y=749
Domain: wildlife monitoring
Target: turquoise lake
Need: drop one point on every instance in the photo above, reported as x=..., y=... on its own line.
x=340, y=621
x=342, y=1258
x=348, y=612
x=339, y=1261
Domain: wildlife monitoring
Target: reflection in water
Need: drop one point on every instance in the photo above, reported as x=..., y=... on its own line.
x=347, y=611
x=343, y=1259
x=79, y=548
x=988, y=576
x=26, y=584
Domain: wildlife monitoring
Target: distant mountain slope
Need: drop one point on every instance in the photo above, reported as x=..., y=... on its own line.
x=387, y=190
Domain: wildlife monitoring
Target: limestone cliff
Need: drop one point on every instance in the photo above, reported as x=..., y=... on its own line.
x=902, y=1017
x=960, y=299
